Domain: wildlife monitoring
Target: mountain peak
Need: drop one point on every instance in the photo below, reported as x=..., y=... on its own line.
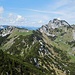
x=55, y=23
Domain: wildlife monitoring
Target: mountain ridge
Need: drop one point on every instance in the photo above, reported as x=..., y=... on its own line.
x=46, y=51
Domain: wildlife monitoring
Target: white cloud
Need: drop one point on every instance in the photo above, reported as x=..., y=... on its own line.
x=33, y=23
x=14, y=19
x=34, y=10
x=58, y=18
x=46, y=11
x=40, y=22
x=1, y=9
x=10, y=15
x=20, y=18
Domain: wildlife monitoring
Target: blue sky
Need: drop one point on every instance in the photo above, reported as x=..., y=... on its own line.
x=35, y=12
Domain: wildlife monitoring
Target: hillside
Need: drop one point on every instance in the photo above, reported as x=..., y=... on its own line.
x=50, y=50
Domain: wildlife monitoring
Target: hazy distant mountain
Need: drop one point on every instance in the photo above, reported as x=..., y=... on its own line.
x=50, y=50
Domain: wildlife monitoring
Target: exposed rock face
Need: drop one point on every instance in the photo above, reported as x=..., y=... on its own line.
x=55, y=23
x=73, y=34
x=6, y=30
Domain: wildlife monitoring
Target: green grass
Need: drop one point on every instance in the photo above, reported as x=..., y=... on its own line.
x=72, y=58
x=24, y=33
x=60, y=43
x=16, y=32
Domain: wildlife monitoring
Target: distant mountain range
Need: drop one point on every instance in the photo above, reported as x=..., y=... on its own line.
x=29, y=28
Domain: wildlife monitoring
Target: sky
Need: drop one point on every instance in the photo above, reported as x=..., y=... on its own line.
x=34, y=13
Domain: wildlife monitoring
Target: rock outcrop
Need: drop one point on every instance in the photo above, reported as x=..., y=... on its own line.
x=55, y=23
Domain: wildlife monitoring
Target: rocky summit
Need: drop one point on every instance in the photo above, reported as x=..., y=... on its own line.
x=55, y=23
x=50, y=50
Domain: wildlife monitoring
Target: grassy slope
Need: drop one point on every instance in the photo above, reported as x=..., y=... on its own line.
x=15, y=33
x=49, y=61
x=61, y=42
